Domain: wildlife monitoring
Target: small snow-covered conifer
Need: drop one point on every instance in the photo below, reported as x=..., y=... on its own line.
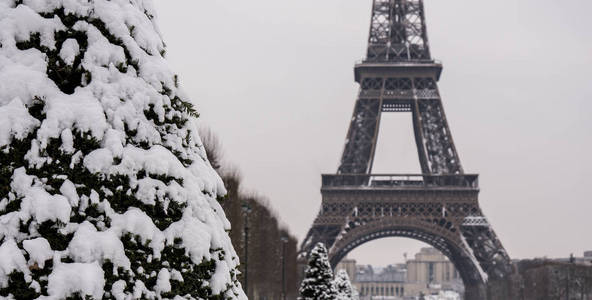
x=345, y=290
x=105, y=189
x=318, y=278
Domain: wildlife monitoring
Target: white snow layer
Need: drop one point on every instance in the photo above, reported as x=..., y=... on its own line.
x=11, y=259
x=444, y=295
x=39, y=251
x=66, y=279
x=37, y=202
x=15, y=121
x=111, y=102
x=163, y=283
x=70, y=49
x=90, y=245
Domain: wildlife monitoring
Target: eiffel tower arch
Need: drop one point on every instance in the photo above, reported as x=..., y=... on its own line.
x=440, y=206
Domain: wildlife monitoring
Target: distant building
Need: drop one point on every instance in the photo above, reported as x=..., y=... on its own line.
x=431, y=272
x=349, y=265
x=428, y=273
x=586, y=260
x=551, y=279
x=389, y=281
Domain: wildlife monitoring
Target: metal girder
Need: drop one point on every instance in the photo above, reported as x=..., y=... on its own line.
x=487, y=248
x=450, y=220
x=398, y=31
x=398, y=93
x=437, y=139
x=361, y=141
x=319, y=233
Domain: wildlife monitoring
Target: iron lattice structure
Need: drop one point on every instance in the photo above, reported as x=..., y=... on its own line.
x=439, y=206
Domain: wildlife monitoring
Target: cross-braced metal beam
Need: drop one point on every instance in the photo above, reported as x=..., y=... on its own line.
x=398, y=31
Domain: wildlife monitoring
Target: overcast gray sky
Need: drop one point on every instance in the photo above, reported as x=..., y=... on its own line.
x=274, y=79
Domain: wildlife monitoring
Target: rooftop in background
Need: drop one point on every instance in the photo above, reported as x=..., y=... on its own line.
x=586, y=260
x=390, y=273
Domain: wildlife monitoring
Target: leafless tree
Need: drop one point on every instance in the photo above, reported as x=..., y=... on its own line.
x=213, y=147
x=266, y=236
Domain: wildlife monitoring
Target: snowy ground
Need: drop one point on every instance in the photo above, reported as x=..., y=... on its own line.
x=444, y=295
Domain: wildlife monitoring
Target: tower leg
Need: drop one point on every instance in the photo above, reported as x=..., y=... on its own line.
x=476, y=292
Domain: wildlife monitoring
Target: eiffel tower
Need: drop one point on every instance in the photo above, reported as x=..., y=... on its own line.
x=440, y=206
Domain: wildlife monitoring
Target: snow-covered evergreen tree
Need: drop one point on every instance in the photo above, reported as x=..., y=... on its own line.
x=105, y=189
x=318, y=278
x=345, y=290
